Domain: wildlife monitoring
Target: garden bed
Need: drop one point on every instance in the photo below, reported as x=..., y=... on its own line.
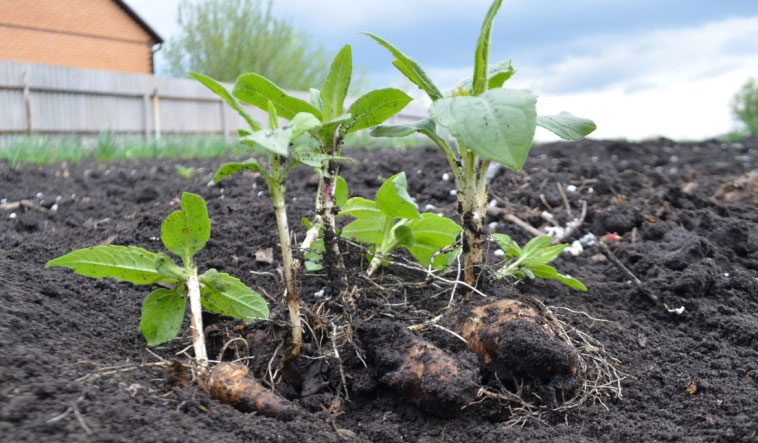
x=74, y=366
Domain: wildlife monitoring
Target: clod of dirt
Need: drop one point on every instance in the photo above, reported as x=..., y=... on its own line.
x=513, y=339
x=744, y=187
x=424, y=374
x=230, y=383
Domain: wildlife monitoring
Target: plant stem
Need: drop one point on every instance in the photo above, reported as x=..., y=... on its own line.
x=196, y=317
x=277, y=189
x=472, y=200
x=335, y=265
x=383, y=248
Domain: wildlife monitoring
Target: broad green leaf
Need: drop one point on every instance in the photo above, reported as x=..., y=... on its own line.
x=335, y=88
x=393, y=200
x=567, y=126
x=365, y=230
x=409, y=68
x=432, y=233
x=315, y=99
x=258, y=90
x=314, y=255
x=168, y=268
x=375, y=107
x=162, y=315
x=426, y=126
x=128, y=263
x=545, y=271
x=226, y=295
x=185, y=232
x=277, y=140
x=228, y=169
x=533, y=250
x=401, y=235
x=221, y=91
x=329, y=128
x=482, y=52
x=360, y=207
x=497, y=125
x=509, y=246
x=340, y=192
x=243, y=132
x=550, y=253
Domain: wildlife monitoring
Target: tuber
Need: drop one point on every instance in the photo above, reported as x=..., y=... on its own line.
x=422, y=373
x=513, y=339
x=230, y=383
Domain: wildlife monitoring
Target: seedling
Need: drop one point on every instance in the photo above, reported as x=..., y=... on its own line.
x=184, y=233
x=532, y=261
x=393, y=221
x=185, y=171
x=326, y=106
x=489, y=123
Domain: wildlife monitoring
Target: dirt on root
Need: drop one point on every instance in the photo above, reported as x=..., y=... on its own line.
x=74, y=366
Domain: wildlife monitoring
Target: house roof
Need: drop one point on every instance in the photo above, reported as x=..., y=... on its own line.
x=154, y=35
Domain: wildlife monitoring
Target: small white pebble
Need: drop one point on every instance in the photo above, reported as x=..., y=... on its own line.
x=673, y=170
x=595, y=158
x=73, y=196
x=255, y=185
x=726, y=274
x=221, y=190
x=260, y=193
x=58, y=198
x=546, y=215
x=440, y=214
x=319, y=293
x=3, y=201
x=492, y=203
x=677, y=311
x=543, y=156
x=40, y=195
x=446, y=176
x=575, y=249
x=571, y=188
x=12, y=215
x=430, y=208
x=588, y=239
x=54, y=207
x=590, y=190
x=499, y=253
x=492, y=226
x=419, y=172
x=133, y=172
x=453, y=192
x=674, y=158
x=554, y=231
x=154, y=238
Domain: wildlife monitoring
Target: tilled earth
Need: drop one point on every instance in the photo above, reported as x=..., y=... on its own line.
x=686, y=213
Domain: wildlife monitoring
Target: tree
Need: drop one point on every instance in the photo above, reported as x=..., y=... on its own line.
x=225, y=38
x=745, y=106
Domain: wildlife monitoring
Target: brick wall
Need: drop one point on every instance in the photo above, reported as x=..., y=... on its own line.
x=85, y=33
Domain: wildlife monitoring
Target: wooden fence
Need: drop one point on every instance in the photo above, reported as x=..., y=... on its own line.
x=60, y=100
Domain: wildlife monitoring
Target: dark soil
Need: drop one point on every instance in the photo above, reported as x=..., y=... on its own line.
x=689, y=225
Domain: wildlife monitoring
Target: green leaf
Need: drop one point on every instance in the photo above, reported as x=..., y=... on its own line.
x=340, y=192
x=499, y=74
x=432, y=233
x=277, y=140
x=409, y=68
x=185, y=232
x=534, y=249
x=221, y=91
x=162, y=315
x=315, y=99
x=316, y=159
x=335, y=88
x=228, y=169
x=365, y=230
x=360, y=207
x=497, y=125
x=168, y=268
x=393, y=200
x=128, y=263
x=545, y=271
x=426, y=126
x=258, y=90
x=482, y=53
x=375, y=107
x=509, y=246
x=401, y=235
x=223, y=294
x=567, y=126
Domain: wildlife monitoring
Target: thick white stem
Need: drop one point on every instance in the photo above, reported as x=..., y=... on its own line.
x=196, y=318
x=293, y=302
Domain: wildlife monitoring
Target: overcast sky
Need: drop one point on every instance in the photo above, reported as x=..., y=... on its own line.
x=639, y=68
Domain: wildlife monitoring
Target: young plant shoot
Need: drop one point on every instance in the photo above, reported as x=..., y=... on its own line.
x=327, y=106
x=532, y=261
x=277, y=142
x=489, y=123
x=184, y=233
x=392, y=221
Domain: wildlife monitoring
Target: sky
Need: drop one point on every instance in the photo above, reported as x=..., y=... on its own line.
x=638, y=68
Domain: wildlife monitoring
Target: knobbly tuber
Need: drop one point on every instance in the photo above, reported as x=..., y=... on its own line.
x=230, y=383
x=513, y=339
x=424, y=374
